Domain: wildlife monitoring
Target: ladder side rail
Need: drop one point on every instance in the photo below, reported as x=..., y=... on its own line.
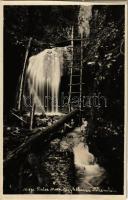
x=71, y=70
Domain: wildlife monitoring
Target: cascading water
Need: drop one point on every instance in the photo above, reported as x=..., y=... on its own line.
x=43, y=77
x=89, y=174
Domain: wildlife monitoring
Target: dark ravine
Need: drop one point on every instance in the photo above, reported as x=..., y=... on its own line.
x=54, y=168
x=69, y=163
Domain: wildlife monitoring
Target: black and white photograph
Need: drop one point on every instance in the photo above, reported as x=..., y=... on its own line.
x=64, y=99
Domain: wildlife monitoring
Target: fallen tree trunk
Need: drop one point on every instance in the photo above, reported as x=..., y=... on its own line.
x=37, y=135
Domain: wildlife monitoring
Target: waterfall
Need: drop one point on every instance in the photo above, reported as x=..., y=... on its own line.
x=43, y=78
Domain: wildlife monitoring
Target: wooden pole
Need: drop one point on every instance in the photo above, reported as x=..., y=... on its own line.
x=20, y=118
x=32, y=115
x=23, y=75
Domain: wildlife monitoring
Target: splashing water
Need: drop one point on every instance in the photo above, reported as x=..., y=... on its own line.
x=92, y=173
x=43, y=76
x=89, y=174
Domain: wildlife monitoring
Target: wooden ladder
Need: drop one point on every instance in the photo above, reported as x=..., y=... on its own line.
x=78, y=76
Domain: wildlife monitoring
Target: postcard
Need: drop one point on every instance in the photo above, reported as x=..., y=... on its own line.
x=64, y=107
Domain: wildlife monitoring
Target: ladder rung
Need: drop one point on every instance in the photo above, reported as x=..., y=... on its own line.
x=71, y=102
x=76, y=39
x=77, y=84
x=75, y=92
x=75, y=75
x=74, y=84
x=75, y=67
x=74, y=59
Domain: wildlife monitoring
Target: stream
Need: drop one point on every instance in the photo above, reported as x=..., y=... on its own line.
x=89, y=175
